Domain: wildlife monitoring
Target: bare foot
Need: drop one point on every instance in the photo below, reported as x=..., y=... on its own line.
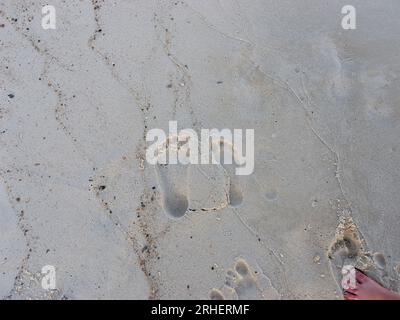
x=368, y=289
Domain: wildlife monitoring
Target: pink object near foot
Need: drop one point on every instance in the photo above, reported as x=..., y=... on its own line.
x=368, y=289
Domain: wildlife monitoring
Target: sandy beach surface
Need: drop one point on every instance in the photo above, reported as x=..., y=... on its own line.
x=76, y=191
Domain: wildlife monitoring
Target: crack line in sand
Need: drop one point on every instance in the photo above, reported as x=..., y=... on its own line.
x=346, y=212
x=285, y=85
x=212, y=27
x=254, y=233
x=140, y=99
x=143, y=105
x=22, y=227
x=180, y=67
x=48, y=58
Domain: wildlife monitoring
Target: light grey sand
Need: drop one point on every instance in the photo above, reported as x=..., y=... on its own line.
x=77, y=193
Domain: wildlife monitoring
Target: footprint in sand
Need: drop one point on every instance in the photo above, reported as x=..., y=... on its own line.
x=347, y=245
x=226, y=150
x=173, y=184
x=243, y=283
x=172, y=179
x=348, y=249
